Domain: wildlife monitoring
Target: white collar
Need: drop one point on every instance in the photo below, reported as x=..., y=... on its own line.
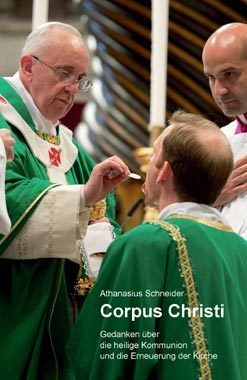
x=243, y=118
x=41, y=123
x=193, y=209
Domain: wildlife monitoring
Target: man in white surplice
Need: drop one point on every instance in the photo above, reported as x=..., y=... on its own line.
x=225, y=65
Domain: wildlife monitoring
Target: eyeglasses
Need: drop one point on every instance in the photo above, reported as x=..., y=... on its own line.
x=84, y=84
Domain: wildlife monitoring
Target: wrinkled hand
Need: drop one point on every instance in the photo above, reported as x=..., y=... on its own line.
x=8, y=143
x=102, y=182
x=236, y=184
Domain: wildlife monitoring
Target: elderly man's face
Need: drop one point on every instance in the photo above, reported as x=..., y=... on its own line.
x=54, y=98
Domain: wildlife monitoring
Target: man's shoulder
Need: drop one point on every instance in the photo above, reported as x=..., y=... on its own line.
x=147, y=234
x=145, y=243
x=148, y=227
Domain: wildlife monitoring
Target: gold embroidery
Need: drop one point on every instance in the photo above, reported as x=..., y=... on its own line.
x=98, y=210
x=206, y=222
x=51, y=221
x=50, y=138
x=22, y=242
x=187, y=276
x=83, y=286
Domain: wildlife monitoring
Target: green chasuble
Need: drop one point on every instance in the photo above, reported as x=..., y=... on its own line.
x=135, y=323
x=35, y=319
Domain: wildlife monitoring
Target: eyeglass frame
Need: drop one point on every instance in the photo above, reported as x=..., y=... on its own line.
x=84, y=84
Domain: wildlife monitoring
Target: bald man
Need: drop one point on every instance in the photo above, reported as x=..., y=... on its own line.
x=225, y=65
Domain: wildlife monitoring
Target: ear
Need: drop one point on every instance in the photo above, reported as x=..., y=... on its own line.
x=26, y=66
x=165, y=173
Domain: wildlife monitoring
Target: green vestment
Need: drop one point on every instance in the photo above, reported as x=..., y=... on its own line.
x=34, y=314
x=199, y=264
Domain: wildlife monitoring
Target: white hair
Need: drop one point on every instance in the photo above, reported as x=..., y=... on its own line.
x=39, y=40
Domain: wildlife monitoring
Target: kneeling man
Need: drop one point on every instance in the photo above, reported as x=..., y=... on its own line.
x=170, y=301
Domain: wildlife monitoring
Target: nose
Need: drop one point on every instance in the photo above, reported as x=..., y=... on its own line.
x=72, y=88
x=219, y=88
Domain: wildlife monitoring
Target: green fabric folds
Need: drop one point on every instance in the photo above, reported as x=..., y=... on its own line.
x=146, y=260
